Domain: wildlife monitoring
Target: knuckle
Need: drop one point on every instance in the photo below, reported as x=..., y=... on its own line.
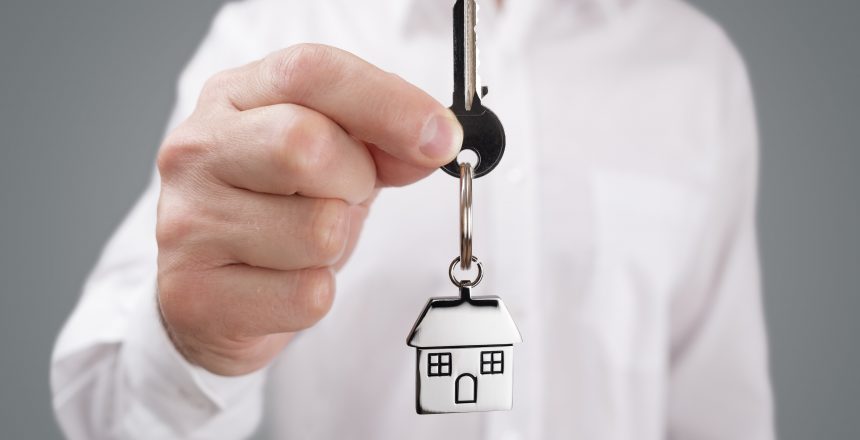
x=317, y=294
x=183, y=147
x=179, y=301
x=215, y=86
x=175, y=223
x=329, y=230
x=170, y=234
x=304, y=150
x=290, y=69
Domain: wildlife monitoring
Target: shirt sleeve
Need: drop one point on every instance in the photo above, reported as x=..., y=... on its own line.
x=114, y=371
x=719, y=381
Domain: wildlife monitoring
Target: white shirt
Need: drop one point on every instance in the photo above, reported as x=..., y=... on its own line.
x=618, y=229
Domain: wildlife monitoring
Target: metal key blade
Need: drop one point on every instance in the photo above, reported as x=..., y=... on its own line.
x=471, y=56
x=465, y=55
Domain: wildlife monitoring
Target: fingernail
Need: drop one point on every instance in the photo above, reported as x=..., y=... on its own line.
x=441, y=137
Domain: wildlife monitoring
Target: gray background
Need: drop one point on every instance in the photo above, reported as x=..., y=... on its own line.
x=86, y=87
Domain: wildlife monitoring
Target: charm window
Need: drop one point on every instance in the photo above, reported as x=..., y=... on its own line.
x=492, y=362
x=439, y=364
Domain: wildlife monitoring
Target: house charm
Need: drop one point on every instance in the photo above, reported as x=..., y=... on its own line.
x=465, y=355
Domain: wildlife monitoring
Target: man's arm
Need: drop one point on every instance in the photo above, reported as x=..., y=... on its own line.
x=719, y=381
x=262, y=192
x=114, y=372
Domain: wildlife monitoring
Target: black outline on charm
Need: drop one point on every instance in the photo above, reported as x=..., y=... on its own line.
x=474, y=388
x=491, y=364
x=439, y=364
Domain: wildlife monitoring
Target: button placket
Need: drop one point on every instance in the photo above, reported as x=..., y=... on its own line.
x=513, y=221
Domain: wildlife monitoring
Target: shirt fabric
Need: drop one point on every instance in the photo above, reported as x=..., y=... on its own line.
x=619, y=230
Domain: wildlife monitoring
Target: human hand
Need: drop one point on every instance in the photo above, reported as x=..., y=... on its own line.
x=265, y=189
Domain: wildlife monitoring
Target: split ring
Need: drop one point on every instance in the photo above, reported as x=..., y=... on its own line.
x=466, y=283
x=466, y=216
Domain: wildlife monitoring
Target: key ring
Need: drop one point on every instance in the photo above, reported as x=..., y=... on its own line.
x=466, y=283
x=466, y=216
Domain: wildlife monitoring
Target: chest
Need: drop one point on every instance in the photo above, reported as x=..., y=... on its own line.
x=584, y=229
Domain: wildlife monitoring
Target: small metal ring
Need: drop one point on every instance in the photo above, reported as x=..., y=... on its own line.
x=466, y=216
x=466, y=283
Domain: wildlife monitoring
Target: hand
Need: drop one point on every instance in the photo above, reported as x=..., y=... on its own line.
x=265, y=189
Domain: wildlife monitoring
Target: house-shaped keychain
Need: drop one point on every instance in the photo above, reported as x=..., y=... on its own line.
x=465, y=354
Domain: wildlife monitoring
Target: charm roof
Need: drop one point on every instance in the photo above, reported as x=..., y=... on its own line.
x=457, y=322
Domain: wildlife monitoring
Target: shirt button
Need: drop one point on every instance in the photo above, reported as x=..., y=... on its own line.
x=516, y=175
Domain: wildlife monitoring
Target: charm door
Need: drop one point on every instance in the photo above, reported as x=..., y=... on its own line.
x=466, y=389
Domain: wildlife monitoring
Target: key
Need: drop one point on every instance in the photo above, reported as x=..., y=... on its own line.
x=482, y=131
x=465, y=345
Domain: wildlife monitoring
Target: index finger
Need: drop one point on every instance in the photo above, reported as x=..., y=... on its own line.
x=370, y=104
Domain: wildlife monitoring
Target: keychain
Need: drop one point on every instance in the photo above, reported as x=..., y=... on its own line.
x=464, y=344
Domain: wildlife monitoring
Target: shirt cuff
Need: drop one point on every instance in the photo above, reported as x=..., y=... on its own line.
x=167, y=389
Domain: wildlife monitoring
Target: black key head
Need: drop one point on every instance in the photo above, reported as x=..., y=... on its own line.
x=484, y=134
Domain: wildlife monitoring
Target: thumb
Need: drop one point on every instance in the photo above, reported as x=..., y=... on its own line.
x=440, y=141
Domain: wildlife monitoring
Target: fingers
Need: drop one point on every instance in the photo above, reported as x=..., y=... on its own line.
x=275, y=232
x=371, y=104
x=357, y=216
x=391, y=171
x=289, y=149
x=284, y=233
x=242, y=301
